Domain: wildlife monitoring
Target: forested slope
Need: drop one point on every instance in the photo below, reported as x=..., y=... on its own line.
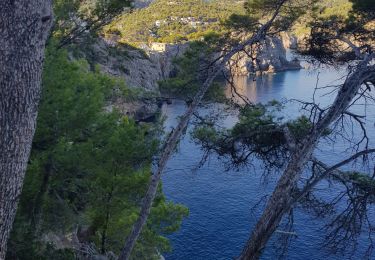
x=89, y=166
x=171, y=21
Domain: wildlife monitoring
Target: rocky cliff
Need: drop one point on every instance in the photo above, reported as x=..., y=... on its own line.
x=289, y=40
x=142, y=68
x=270, y=58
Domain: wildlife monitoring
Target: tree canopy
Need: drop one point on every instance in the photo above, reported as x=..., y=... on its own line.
x=88, y=170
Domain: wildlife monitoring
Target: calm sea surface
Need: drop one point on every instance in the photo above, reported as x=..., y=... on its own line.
x=222, y=202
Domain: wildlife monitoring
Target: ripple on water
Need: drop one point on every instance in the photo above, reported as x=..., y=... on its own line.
x=220, y=203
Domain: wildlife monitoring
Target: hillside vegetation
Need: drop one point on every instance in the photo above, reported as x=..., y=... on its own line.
x=324, y=9
x=173, y=21
x=180, y=20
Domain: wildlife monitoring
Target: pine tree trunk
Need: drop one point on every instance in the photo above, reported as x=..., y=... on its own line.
x=278, y=205
x=24, y=28
x=282, y=200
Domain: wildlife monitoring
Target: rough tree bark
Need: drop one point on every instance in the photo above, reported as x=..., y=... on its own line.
x=24, y=29
x=282, y=200
x=175, y=136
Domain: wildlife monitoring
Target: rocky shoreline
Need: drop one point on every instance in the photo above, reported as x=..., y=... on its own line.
x=271, y=58
x=142, y=68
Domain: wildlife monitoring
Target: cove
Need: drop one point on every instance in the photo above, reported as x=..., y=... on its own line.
x=221, y=202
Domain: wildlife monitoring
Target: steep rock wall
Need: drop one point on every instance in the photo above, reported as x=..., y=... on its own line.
x=271, y=57
x=144, y=68
x=141, y=68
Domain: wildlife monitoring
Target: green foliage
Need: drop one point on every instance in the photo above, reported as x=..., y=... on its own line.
x=140, y=26
x=260, y=10
x=181, y=20
x=259, y=7
x=363, y=182
x=75, y=18
x=300, y=127
x=321, y=9
x=188, y=78
x=363, y=5
x=256, y=117
x=88, y=169
x=241, y=22
x=350, y=20
x=259, y=133
x=63, y=8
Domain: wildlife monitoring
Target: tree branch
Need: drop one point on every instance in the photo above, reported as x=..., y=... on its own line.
x=175, y=136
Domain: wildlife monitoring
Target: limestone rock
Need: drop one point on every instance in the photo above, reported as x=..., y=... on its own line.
x=271, y=57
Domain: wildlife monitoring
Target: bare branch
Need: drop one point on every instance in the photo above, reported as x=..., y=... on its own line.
x=329, y=170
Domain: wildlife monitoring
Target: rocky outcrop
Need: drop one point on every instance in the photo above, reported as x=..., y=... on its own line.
x=144, y=67
x=129, y=63
x=140, y=110
x=289, y=40
x=271, y=58
x=141, y=68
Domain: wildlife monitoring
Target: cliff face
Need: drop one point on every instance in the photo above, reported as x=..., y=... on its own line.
x=271, y=58
x=144, y=68
x=289, y=41
x=141, y=68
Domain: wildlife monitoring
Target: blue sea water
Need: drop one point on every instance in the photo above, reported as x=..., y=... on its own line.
x=222, y=202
